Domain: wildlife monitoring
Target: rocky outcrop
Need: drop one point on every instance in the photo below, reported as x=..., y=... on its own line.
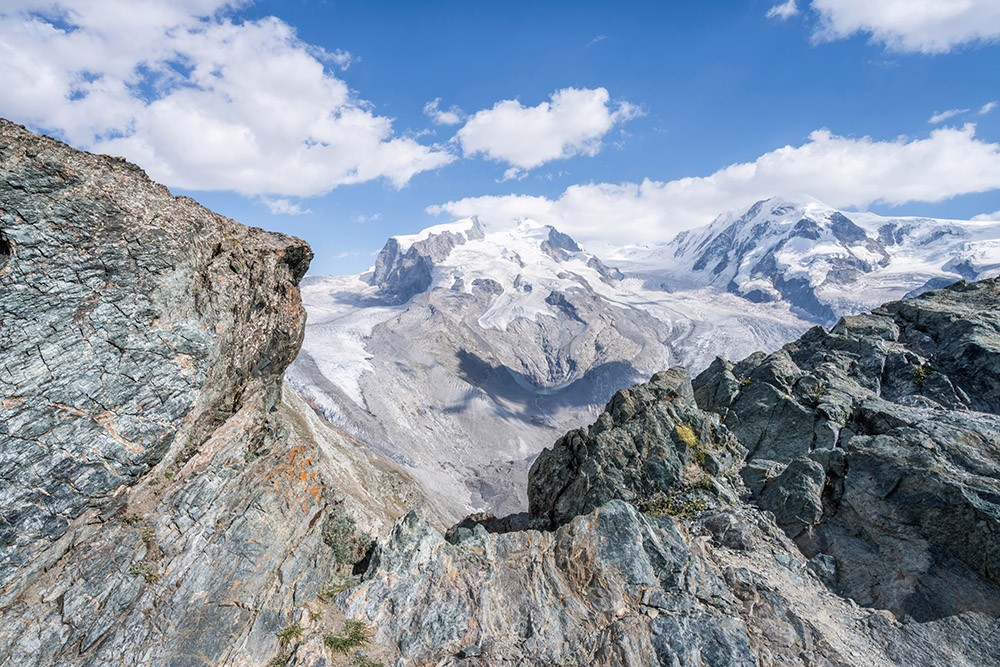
x=877, y=446
x=161, y=503
x=835, y=507
x=651, y=441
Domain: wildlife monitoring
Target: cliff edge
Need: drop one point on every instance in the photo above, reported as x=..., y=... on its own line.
x=161, y=503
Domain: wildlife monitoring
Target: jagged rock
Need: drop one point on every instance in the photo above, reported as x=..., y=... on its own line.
x=891, y=504
x=878, y=444
x=161, y=503
x=650, y=440
x=611, y=588
x=133, y=324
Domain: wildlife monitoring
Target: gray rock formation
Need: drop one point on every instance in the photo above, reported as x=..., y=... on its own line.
x=842, y=512
x=160, y=503
x=650, y=441
x=877, y=444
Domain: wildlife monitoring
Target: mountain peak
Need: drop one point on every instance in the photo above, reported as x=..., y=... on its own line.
x=449, y=253
x=798, y=249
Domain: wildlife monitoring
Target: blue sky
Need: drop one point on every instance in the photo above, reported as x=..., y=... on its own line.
x=218, y=99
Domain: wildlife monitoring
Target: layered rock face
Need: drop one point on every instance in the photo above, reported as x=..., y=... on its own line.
x=834, y=503
x=160, y=503
x=877, y=447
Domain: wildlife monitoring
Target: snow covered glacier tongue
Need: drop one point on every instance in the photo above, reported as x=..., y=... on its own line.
x=468, y=348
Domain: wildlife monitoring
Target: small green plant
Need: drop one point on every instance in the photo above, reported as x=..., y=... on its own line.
x=131, y=519
x=355, y=635
x=920, y=375
x=340, y=532
x=744, y=381
x=279, y=660
x=147, y=534
x=146, y=570
x=289, y=634
x=679, y=504
x=335, y=584
x=315, y=615
x=704, y=483
x=169, y=474
x=686, y=434
x=362, y=660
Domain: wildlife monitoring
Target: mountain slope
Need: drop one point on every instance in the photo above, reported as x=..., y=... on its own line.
x=467, y=349
x=825, y=263
x=164, y=499
x=791, y=508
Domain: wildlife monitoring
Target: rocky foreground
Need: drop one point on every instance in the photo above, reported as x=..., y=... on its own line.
x=834, y=503
x=165, y=502
x=162, y=503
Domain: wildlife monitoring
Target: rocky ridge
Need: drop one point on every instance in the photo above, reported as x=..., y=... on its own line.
x=163, y=500
x=833, y=503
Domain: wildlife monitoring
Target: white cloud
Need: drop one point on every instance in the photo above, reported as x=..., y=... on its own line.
x=987, y=217
x=926, y=26
x=573, y=123
x=281, y=206
x=513, y=174
x=596, y=40
x=451, y=116
x=199, y=99
x=842, y=171
x=363, y=219
x=988, y=107
x=784, y=11
x=942, y=116
x=342, y=59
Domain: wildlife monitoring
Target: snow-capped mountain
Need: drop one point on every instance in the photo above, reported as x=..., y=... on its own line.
x=823, y=262
x=510, y=336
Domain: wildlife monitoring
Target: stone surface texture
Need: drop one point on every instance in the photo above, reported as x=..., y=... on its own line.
x=160, y=503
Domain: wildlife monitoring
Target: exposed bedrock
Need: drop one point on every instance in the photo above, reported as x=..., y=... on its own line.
x=161, y=502
x=836, y=505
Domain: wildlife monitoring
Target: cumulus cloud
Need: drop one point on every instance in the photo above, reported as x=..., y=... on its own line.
x=282, y=206
x=450, y=116
x=842, y=171
x=785, y=10
x=925, y=26
x=987, y=217
x=942, y=116
x=198, y=98
x=573, y=122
